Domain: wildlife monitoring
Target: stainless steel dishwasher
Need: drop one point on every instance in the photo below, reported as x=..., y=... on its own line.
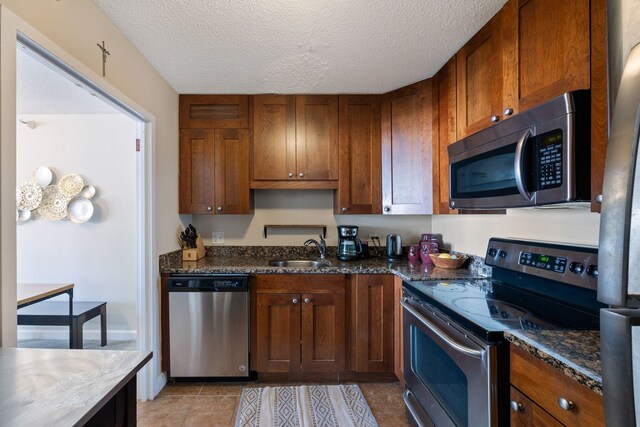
x=209, y=325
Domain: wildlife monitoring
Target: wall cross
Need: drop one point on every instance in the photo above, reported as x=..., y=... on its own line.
x=105, y=52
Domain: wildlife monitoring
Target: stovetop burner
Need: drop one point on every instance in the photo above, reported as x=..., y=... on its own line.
x=488, y=307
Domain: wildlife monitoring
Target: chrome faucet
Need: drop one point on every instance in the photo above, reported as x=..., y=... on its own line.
x=321, y=246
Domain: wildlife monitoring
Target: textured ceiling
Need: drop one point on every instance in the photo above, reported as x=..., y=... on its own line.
x=41, y=90
x=297, y=46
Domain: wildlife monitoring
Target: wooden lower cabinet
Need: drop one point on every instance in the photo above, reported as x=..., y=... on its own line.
x=300, y=323
x=528, y=414
x=371, y=323
x=536, y=391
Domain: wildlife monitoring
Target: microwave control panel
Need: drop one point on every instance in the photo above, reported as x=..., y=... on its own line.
x=549, y=146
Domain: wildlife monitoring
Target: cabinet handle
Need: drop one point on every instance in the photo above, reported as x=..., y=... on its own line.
x=295, y=300
x=565, y=404
x=495, y=119
x=301, y=175
x=219, y=209
x=209, y=208
x=307, y=300
x=290, y=174
x=516, y=406
x=508, y=111
x=387, y=209
x=598, y=199
x=344, y=209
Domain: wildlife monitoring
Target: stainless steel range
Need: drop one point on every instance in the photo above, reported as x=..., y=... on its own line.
x=456, y=360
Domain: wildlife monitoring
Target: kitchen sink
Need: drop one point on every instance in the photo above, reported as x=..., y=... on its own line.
x=301, y=263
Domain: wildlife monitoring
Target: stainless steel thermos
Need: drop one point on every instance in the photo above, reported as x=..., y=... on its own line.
x=394, y=247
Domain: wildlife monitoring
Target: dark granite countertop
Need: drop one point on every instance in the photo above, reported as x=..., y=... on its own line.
x=260, y=265
x=574, y=353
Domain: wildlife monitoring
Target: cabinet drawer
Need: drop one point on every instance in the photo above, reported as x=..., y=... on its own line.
x=545, y=386
x=300, y=283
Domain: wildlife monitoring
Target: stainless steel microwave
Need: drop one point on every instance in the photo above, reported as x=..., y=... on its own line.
x=539, y=157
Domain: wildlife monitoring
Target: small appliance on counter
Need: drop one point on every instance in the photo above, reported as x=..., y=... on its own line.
x=349, y=246
x=394, y=247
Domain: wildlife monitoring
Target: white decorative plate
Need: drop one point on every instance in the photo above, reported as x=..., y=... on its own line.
x=28, y=196
x=22, y=215
x=80, y=210
x=71, y=184
x=88, y=191
x=42, y=176
x=54, y=203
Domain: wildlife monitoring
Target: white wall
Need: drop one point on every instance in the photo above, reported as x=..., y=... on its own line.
x=470, y=233
x=70, y=29
x=97, y=256
x=304, y=207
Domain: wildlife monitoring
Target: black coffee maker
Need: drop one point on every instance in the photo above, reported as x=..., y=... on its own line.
x=349, y=246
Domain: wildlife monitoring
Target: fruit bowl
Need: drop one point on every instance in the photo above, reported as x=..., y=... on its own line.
x=451, y=263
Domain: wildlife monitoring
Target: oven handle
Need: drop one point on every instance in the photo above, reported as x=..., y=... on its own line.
x=478, y=354
x=518, y=165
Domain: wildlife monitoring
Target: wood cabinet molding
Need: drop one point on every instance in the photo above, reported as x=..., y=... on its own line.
x=407, y=186
x=360, y=182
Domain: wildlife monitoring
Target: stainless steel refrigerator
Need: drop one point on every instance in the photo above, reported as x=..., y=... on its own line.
x=619, y=248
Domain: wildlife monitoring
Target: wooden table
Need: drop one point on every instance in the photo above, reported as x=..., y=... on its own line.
x=32, y=293
x=60, y=387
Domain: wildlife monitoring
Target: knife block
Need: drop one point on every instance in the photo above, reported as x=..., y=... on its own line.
x=194, y=254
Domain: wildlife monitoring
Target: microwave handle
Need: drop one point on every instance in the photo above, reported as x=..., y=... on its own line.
x=518, y=165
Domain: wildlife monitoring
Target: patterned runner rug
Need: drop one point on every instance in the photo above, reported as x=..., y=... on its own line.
x=315, y=405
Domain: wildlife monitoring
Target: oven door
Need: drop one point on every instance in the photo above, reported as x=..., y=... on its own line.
x=451, y=376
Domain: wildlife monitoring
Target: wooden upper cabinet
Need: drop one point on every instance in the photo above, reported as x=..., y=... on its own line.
x=480, y=79
x=231, y=171
x=214, y=171
x=552, y=45
x=274, y=137
x=317, y=137
x=295, y=141
x=360, y=156
x=196, y=171
x=214, y=111
x=444, y=133
x=406, y=150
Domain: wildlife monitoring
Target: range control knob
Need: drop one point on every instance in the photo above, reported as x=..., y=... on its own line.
x=592, y=271
x=502, y=254
x=576, y=267
x=492, y=251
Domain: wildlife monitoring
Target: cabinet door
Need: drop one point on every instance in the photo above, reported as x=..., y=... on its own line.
x=323, y=329
x=196, y=171
x=214, y=111
x=274, y=134
x=398, y=343
x=406, y=150
x=528, y=414
x=232, y=195
x=278, y=332
x=553, y=48
x=444, y=132
x=372, y=308
x=360, y=157
x=317, y=137
x=480, y=79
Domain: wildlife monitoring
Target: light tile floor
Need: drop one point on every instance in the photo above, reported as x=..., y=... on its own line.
x=214, y=404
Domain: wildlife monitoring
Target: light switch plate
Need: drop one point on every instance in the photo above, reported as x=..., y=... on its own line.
x=217, y=238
